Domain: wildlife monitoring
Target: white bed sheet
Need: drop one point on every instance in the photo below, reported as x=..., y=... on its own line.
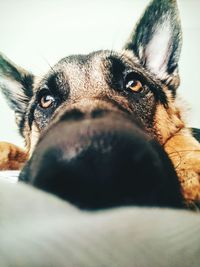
x=9, y=176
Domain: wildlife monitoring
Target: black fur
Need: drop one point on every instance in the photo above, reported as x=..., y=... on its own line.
x=196, y=133
x=16, y=84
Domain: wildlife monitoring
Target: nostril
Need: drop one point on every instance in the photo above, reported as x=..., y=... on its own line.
x=74, y=114
x=98, y=113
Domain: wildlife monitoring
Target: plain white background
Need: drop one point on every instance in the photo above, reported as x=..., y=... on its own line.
x=35, y=34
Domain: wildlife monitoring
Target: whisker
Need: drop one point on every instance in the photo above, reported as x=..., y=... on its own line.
x=47, y=62
x=187, y=150
x=177, y=154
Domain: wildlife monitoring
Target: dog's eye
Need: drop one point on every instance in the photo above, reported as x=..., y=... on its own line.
x=46, y=101
x=134, y=85
x=133, y=82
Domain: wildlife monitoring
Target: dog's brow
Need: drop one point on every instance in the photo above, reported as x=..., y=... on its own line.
x=57, y=83
x=117, y=66
x=113, y=69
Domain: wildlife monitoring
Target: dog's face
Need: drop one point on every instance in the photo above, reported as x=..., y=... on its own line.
x=97, y=118
x=90, y=86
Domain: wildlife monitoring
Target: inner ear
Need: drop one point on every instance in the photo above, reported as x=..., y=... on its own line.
x=156, y=41
x=16, y=84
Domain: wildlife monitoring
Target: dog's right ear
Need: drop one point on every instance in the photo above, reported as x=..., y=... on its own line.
x=16, y=85
x=157, y=39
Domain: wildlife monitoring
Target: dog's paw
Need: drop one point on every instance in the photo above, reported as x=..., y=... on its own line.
x=11, y=157
x=184, y=152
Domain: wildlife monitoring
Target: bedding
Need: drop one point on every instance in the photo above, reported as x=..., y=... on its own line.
x=38, y=229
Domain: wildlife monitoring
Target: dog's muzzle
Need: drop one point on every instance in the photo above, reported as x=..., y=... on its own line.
x=102, y=161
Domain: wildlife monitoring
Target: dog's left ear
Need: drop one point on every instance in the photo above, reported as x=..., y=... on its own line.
x=156, y=41
x=16, y=85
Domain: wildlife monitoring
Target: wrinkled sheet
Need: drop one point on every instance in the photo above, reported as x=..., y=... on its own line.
x=38, y=229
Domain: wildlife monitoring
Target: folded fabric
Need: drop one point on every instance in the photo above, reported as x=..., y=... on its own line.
x=38, y=229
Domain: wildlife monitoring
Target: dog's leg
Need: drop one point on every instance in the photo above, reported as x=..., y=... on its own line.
x=184, y=151
x=11, y=157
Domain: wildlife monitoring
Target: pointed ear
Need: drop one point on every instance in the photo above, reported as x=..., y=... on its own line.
x=157, y=40
x=16, y=85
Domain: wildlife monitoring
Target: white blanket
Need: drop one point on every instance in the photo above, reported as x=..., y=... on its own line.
x=9, y=176
x=38, y=229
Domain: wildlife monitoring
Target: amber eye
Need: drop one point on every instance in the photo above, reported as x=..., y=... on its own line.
x=134, y=85
x=46, y=101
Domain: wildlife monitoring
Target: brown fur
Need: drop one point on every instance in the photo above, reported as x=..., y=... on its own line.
x=11, y=157
x=184, y=151
x=182, y=148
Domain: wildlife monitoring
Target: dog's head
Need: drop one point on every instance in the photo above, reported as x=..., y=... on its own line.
x=99, y=118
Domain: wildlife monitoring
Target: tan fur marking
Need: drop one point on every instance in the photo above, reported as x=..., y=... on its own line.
x=11, y=157
x=184, y=151
x=182, y=148
x=167, y=122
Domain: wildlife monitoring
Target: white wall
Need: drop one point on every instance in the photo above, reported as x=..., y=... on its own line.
x=36, y=33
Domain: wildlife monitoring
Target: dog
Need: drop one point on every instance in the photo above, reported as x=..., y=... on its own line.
x=107, y=129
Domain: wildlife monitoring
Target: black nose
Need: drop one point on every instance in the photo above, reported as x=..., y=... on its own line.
x=102, y=162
